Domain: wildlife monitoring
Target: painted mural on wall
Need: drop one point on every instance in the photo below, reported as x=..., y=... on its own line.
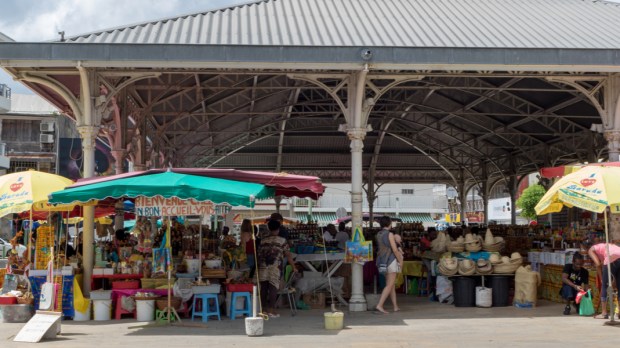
x=70, y=159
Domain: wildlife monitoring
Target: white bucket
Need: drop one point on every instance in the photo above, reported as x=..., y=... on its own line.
x=103, y=309
x=254, y=326
x=145, y=310
x=82, y=316
x=484, y=297
x=193, y=265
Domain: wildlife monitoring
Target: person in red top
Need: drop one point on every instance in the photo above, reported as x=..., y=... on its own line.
x=598, y=254
x=425, y=241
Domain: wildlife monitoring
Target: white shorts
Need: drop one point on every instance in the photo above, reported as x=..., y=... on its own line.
x=394, y=267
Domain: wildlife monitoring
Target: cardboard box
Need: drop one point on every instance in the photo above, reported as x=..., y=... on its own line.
x=97, y=271
x=108, y=271
x=315, y=300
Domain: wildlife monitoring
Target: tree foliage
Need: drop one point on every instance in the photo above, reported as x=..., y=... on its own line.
x=528, y=200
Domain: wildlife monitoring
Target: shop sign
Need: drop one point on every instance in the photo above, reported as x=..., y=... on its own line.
x=160, y=206
x=453, y=217
x=477, y=217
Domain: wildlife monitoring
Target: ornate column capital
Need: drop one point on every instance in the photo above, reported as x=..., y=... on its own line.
x=88, y=135
x=357, y=136
x=613, y=139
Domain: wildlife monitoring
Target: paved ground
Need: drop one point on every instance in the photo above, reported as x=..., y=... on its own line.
x=420, y=324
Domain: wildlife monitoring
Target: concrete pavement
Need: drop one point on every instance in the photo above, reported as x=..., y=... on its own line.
x=420, y=323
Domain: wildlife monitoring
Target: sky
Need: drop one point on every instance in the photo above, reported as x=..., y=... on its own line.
x=41, y=20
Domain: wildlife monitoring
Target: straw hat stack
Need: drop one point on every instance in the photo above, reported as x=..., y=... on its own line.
x=493, y=244
x=484, y=266
x=466, y=267
x=438, y=245
x=509, y=265
x=448, y=266
x=472, y=243
x=457, y=246
x=516, y=258
x=495, y=259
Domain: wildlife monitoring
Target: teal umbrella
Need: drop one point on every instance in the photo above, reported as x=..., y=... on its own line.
x=168, y=185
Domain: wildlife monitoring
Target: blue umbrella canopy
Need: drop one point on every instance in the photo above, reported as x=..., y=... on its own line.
x=168, y=185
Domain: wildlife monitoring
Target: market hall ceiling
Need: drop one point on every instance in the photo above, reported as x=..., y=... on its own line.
x=480, y=87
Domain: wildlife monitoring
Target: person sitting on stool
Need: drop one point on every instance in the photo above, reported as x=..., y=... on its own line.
x=574, y=279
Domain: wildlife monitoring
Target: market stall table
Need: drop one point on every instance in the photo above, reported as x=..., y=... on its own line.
x=323, y=282
x=307, y=259
x=110, y=278
x=410, y=269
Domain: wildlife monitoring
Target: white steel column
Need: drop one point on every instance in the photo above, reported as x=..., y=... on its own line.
x=611, y=118
x=513, y=187
x=88, y=132
x=88, y=135
x=357, y=132
x=613, y=145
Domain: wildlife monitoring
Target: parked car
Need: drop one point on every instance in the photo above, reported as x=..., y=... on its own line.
x=5, y=248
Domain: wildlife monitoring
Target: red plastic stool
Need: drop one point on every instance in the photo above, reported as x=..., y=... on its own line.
x=120, y=311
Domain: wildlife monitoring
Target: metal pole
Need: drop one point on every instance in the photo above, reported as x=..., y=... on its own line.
x=610, y=288
x=357, y=133
x=200, y=249
x=88, y=134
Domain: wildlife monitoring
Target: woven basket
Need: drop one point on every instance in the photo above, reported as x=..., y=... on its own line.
x=162, y=302
x=25, y=300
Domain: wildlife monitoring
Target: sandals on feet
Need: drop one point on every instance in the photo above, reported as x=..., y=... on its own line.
x=600, y=316
x=380, y=311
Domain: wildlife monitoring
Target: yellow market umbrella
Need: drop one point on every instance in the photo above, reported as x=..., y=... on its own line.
x=592, y=188
x=19, y=191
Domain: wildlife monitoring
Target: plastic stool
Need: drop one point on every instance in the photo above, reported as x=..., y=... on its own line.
x=120, y=311
x=247, y=310
x=162, y=316
x=205, y=312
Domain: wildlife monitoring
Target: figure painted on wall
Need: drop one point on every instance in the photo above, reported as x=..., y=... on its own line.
x=71, y=160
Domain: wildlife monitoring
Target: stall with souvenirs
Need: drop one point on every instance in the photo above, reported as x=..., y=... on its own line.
x=477, y=270
x=174, y=266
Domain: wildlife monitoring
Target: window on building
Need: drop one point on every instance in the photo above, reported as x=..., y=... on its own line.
x=407, y=191
x=20, y=130
x=22, y=166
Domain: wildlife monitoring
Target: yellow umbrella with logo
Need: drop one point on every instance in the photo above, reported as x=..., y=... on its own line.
x=19, y=191
x=593, y=188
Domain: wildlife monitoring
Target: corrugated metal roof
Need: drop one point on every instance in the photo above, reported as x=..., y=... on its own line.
x=386, y=23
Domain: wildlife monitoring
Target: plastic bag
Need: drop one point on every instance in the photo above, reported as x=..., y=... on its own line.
x=586, y=308
x=413, y=287
x=580, y=294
